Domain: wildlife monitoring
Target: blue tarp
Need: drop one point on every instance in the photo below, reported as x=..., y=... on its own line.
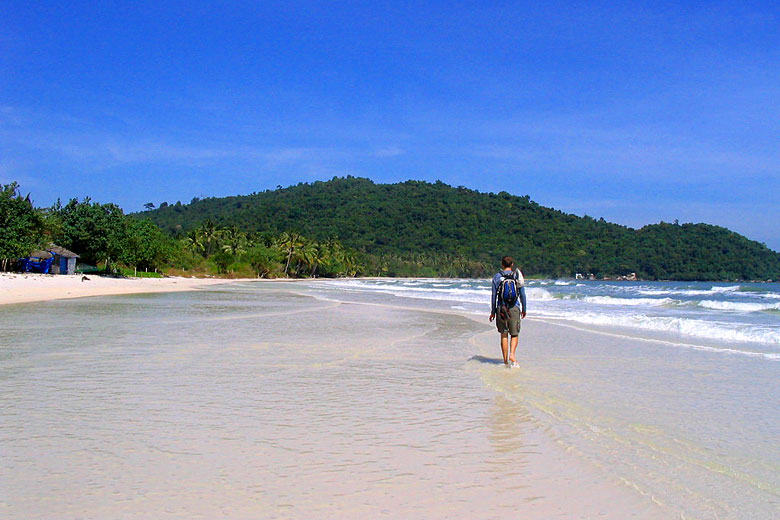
x=34, y=264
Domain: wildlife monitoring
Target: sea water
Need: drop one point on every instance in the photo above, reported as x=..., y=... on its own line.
x=742, y=318
x=672, y=388
x=356, y=398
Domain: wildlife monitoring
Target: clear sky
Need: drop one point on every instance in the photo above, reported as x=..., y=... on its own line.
x=635, y=112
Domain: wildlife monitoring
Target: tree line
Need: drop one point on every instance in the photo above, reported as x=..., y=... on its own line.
x=417, y=228
x=354, y=227
x=105, y=237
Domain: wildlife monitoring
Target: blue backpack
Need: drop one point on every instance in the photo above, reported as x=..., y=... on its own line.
x=507, y=291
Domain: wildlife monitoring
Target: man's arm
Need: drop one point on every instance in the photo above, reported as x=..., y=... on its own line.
x=522, y=299
x=493, y=293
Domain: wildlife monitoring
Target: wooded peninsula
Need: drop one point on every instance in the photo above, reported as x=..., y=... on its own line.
x=354, y=227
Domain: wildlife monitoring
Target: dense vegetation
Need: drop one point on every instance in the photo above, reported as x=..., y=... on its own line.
x=352, y=226
x=21, y=226
x=425, y=229
x=102, y=235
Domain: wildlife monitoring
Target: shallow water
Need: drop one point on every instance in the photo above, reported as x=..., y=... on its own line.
x=256, y=402
x=247, y=403
x=695, y=431
x=688, y=418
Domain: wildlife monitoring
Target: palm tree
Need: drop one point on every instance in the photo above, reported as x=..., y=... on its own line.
x=301, y=258
x=194, y=241
x=319, y=255
x=288, y=242
x=350, y=264
x=210, y=235
x=235, y=241
x=311, y=255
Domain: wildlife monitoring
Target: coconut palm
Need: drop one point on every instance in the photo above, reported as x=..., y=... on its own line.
x=351, y=266
x=194, y=242
x=310, y=256
x=210, y=236
x=319, y=256
x=289, y=242
x=234, y=241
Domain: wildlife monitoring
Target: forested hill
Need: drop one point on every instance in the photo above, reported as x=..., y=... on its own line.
x=419, y=222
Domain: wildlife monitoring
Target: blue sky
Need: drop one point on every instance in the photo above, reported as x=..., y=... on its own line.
x=635, y=112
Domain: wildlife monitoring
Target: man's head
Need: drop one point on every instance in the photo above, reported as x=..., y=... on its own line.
x=507, y=262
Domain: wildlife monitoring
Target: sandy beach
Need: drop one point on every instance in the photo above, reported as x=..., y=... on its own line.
x=305, y=400
x=30, y=287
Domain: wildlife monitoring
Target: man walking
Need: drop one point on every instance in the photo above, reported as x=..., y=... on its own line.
x=507, y=296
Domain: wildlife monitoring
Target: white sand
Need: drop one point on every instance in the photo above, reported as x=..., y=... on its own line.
x=25, y=288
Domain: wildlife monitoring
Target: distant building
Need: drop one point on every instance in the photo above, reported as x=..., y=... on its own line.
x=63, y=261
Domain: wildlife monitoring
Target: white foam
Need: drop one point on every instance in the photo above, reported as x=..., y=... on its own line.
x=675, y=292
x=739, y=306
x=733, y=288
x=732, y=332
x=610, y=300
x=537, y=293
x=721, y=350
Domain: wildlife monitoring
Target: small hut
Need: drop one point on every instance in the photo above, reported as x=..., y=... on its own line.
x=63, y=261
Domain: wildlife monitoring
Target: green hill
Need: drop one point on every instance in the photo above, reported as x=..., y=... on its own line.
x=421, y=223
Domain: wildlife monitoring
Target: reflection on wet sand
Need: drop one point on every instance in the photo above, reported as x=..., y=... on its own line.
x=508, y=423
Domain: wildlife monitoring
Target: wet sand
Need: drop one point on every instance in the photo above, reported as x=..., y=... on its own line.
x=260, y=402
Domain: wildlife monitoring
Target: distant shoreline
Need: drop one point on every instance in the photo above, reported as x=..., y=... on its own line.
x=18, y=288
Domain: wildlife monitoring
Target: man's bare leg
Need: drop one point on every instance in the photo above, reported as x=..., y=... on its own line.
x=513, y=349
x=504, y=346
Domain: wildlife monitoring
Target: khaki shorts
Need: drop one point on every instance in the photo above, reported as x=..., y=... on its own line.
x=511, y=324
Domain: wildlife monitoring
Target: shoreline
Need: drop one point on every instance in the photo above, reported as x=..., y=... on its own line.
x=17, y=288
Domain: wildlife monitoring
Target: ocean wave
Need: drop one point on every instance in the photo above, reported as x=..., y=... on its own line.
x=652, y=291
x=739, y=306
x=732, y=288
x=611, y=300
x=537, y=293
x=684, y=326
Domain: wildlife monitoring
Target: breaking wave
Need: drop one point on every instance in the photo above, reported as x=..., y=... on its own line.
x=682, y=326
x=739, y=306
